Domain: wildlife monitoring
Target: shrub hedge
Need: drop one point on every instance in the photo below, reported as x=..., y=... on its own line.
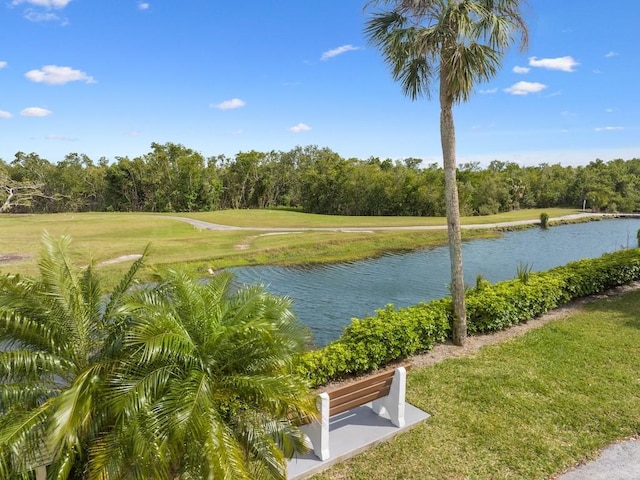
x=393, y=334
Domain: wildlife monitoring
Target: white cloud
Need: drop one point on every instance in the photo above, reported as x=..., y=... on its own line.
x=488, y=91
x=611, y=54
x=517, y=69
x=338, y=51
x=44, y=3
x=237, y=132
x=608, y=110
x=55, y=75
x=143, y=6
x=133, y=133
x=597, y=72
x=4, y=114
x=3, y=64
x=64, y=138
x=564, y=64
x=34, y=16
x=301, y=127
x=35, y=112
x=525, y=88
x=229, y=104
x=607, y=129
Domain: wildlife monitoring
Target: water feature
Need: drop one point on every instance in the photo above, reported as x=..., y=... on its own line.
x=327, y=297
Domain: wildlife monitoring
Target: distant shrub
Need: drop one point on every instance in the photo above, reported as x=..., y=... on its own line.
x=544, y=220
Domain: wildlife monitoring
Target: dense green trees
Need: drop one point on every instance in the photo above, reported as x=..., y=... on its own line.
x=174, y=178
x=176, y=380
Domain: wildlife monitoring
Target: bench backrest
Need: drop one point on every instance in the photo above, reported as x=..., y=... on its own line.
x=362, y=391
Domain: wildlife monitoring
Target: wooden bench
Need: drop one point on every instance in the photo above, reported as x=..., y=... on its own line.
x=385, y=390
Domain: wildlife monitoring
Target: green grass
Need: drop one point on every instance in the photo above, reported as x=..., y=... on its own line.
x=525, y=409
x=105, y=236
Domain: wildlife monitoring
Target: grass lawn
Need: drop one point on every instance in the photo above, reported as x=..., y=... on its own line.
x=525, y=409
x=105, y=236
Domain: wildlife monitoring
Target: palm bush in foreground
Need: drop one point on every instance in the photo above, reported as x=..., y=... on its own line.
x=181, y=379
x=207, y=375
x=55, y=334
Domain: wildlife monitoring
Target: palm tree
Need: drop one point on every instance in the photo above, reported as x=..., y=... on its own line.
x=457, y=43
x=177, y=380
x=207, y=376
x=55, y=337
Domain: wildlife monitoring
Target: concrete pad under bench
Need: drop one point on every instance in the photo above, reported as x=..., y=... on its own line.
x=351, y=433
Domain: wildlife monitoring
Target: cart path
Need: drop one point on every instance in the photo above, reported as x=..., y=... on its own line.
x=216, y=226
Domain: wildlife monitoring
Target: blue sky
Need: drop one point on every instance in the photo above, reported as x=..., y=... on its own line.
x=109, y=77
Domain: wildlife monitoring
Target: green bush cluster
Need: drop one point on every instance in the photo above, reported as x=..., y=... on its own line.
x=544, y=220
x=394, y=334
x=501, y=305
x=373, y=342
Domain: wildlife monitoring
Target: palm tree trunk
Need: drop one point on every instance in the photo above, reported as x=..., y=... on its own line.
x=448, y=140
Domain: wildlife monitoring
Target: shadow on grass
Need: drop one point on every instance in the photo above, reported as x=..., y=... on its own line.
x=624, y=303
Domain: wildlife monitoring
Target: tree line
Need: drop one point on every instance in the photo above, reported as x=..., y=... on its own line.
x=174, y=178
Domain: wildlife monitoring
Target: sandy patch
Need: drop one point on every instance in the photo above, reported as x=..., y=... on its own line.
x=246, y=243
x=12, y=257
x=123, y=258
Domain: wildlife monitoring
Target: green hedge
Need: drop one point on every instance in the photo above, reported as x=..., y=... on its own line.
x=373, y=342
x=395, y=334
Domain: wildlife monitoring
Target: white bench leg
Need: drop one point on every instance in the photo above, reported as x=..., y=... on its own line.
x=41, y=473
x=318, y=431
x=394, y=402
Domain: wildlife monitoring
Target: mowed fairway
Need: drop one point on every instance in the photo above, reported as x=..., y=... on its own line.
x=107, y=236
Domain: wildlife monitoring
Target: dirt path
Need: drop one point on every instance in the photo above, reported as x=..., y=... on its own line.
x=216, y=226
x=246, y=243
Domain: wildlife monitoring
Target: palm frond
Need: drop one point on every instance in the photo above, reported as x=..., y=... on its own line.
x=28, y=365
x=115, y=303
x=21, y=438
x=225, y=458
x=73, y=412
x=419, y=38
x=20, y=329
x=468, y=65
x=131, y=449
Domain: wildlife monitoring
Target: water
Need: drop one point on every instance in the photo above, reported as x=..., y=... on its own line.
x=325, y=298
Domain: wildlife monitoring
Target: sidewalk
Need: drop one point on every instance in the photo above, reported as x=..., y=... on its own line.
x=620, y=461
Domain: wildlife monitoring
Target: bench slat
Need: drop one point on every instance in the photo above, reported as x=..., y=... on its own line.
x=358, y=401
x=358, y=384
x=362, y=390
